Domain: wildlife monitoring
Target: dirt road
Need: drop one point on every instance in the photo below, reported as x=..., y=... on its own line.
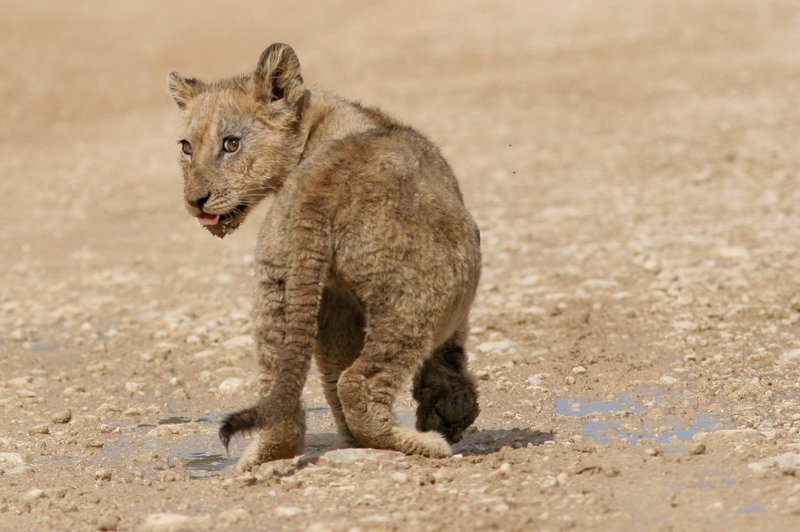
x=634, y=170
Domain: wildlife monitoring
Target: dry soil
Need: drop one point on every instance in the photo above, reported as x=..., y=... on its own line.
x=633, y=167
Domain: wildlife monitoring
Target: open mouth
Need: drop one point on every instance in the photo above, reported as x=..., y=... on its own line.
x=221, y=225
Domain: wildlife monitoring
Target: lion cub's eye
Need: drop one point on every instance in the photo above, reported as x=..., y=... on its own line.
x=230, y=144
x=186, y=147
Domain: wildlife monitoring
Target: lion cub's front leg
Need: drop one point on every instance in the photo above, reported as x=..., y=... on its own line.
x=281, y=431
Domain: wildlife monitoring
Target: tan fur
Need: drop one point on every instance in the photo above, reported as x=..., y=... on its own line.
x=367, y=258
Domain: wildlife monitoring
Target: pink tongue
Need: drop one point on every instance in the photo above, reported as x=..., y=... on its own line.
x=207, y=219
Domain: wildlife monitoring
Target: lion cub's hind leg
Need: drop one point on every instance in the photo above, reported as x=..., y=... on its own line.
x=445, y=392
x=367, y=389
x=340, y=340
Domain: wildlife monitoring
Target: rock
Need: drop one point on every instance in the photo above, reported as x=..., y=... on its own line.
x=169, y=522
x=233, y=516
x=287, y=511
x=495, y=346
x=33, y=494
x=134, y=387
x=107, y=408
x=108, y=522
x=231, y=385
x=44, y=428
x=349, y=456
x=791, y=356
x=697, y=449
x=25, y=393
x=578, y=370
x=398, y=477
x=668, y=380
x=760, y=467
x=19, y=382
x=65, y=416
x=788, y=463
x=239, y=342
x=102, y=474
x=13, y=464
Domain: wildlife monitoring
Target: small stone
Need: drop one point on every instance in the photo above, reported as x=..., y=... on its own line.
x=569, y=380
x=348, y=456
x=231, y=385
x=65, y=416
x=94, y=444
x=239, y=342
x=287, y=511
x=132, y=412
x=791, y=356
x=26, y=394
x=697, y=449
x=236, y=515
x=19, y=382
x=168, y=522
x=498, y=346
x=668, y=380
x=482, y=374
x=134, y=387
x=578, y=370
x=652, y=452
x=107, y=408
x=399, y=478
x=44, y=428
x=788, y=463
x=102, y=474
x=33, y=494
x=108, y=522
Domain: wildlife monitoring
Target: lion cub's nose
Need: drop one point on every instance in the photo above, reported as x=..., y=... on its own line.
x=199, y=202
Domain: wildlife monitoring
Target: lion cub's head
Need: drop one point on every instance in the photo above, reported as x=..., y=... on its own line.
x=241, y=138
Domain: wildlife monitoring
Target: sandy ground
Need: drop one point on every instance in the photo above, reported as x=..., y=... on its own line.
x=634, y=170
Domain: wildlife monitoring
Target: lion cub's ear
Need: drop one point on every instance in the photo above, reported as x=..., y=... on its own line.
x=277, y=75
x=183, y=89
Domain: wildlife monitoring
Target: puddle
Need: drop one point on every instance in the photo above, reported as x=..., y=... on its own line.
x=201, y=453
x=625, y=419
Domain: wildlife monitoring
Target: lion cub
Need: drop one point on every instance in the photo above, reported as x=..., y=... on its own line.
x=367, y=258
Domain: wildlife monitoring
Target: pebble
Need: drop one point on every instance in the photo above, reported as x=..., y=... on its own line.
x=239, y=342
x=134, y=386
x=108, y=522
x=668, y=380
x=788, y=463
x=697, y=449
x=231, y=385
x=233, y=516
x=578, y=370
x=652, y=452
x=102, y=474
x=33, y=494
x=25, y=393
x=495, y=346
x=349, y=456
x=791, y=356
x=65, y=416
x=44, y=428
x=19, y=382
x=398, y=477
x=287, y=511
x=171, y=522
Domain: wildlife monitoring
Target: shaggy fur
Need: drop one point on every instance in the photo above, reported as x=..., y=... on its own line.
x=367, y=259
